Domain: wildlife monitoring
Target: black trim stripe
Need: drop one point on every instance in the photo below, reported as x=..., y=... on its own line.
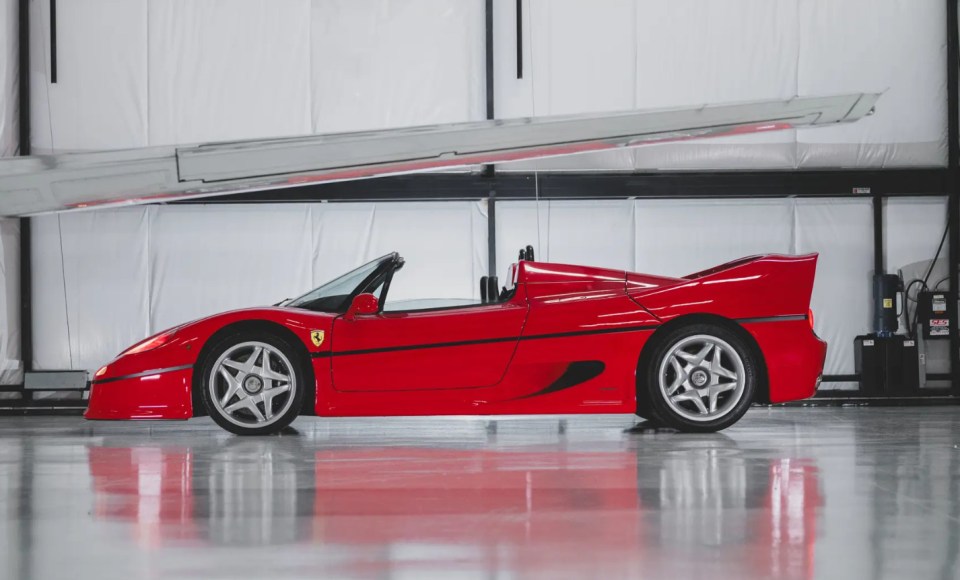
x=483, y=341
x=326, y=354
x=143, y=374
x=781, y=318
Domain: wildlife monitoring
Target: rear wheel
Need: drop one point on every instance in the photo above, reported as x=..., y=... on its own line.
x=700, y=378
x=253, y=383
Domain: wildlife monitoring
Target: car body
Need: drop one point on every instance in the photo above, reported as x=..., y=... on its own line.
x=559, y=339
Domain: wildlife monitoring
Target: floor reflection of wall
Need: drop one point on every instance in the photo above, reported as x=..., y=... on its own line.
x=523, y=510
x=760, y=513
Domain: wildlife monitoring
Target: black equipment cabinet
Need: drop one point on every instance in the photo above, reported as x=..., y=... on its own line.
x=887, y=365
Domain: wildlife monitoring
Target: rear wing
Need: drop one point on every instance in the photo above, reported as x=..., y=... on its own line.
x=757, y=287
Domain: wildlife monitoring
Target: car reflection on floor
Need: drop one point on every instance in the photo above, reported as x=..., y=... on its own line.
x=520, y=509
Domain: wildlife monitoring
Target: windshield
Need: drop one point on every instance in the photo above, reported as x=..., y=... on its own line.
x=335, y=295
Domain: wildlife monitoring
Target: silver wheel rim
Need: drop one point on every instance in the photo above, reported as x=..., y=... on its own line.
x=252, y=384
x=702, y=378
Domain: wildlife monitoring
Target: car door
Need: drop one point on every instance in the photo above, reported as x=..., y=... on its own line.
x=443, y=348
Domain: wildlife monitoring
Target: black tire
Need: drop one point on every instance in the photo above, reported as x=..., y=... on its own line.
x=253, y=418
x=725, y=389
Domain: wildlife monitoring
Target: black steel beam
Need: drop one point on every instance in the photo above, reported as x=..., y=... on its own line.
x=23, y=46
x=458, y=186
x=953, y=164
x=519, y=39
x=488, y=170
x=53, y=42
x=26, y=310
x=492, y=233
x=26, y=302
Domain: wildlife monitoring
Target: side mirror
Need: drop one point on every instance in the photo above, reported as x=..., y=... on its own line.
x=363, y=304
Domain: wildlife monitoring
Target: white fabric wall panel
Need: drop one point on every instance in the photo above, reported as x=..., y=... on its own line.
x=662, y=53
x=912, y=229
x=228, y=69
x=100, y=98
x=743, y=50
x=842, y=232
x=594, y=233
x=378, y=63
x=11, y=368
x=9, y=75
x=90, y=286
x=578, y=56
x=897, y=46
x=445, y=247
x=206, y=260
x=341, y=234
x=141, y=72
x=676, y=238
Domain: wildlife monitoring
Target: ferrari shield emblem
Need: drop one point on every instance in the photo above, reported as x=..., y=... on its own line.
x=317, y=337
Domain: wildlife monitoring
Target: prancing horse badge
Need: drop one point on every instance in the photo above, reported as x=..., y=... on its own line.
x=317, y=337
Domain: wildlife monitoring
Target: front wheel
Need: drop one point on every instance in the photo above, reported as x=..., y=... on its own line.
x=252, y=384
x=699, y=378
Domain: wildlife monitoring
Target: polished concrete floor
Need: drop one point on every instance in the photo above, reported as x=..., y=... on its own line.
x=787, y=493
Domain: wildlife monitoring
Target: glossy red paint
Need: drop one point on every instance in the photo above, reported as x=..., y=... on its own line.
x=793, y=355
x=568, y=340
x=163, y=395
x=759, y=287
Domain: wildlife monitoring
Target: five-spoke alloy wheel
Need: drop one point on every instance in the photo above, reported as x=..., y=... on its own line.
x=699, y=377
x=252, y=385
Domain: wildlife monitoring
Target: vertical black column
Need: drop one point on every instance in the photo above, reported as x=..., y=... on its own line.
x=489, y=170
x=877, y=234
x=26, y=302
x=53, y=41
x=23, y=45
x=492, y=233
x=26, y=311
x=489, y=57
x=953, y=164
x=519, y=39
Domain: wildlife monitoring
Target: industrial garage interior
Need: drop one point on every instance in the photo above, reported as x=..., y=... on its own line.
x=665, y=384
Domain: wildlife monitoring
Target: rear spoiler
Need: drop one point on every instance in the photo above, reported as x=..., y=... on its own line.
x=757, y=287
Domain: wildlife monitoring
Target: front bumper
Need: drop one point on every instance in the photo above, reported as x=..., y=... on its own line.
x=155, y=394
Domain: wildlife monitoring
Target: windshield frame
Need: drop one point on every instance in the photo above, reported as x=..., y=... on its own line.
x=385, y=266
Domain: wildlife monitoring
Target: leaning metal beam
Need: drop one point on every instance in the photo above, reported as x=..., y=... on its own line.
x=41, y=184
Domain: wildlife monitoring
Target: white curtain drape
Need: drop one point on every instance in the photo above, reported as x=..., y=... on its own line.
x=11, y=367
x=622, y=54
x=133, y=73
x=9, y=79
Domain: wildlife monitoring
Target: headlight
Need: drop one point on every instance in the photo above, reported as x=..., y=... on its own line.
x=151, y=343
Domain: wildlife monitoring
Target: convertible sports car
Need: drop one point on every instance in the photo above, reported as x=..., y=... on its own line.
x=691, y=353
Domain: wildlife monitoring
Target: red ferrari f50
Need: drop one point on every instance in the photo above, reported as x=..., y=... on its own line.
x=691, y=353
